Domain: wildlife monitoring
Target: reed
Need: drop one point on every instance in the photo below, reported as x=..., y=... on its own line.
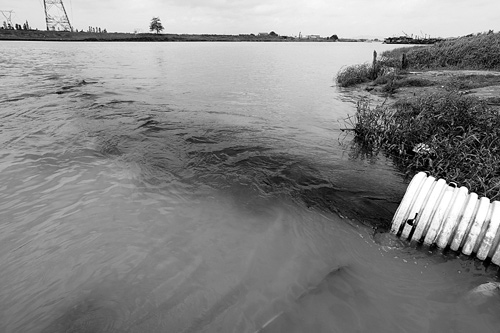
x=452, y=136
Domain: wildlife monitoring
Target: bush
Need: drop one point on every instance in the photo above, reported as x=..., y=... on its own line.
x=356, y=74
x=460, y=137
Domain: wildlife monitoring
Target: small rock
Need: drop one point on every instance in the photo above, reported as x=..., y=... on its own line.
x=486, y=293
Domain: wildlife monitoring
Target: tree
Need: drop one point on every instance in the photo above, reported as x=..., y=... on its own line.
x=156, y=25
x=272, y=33
x=334, y=38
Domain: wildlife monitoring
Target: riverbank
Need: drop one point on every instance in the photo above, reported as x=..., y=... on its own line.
x=441, y=112
x=445, y=122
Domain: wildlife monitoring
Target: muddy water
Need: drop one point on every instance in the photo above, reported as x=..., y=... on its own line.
x=205, y=187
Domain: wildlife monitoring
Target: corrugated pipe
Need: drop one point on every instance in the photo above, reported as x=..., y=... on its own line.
x=438, y=213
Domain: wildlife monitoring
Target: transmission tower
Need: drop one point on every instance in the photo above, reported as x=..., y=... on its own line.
x=55, y=15
x=8, y=16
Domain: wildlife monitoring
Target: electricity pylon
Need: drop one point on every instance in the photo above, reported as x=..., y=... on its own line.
x=8, y=16
x=55, y=15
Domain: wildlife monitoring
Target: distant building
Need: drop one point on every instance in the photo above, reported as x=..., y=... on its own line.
x=263, y=33
x=313, y=36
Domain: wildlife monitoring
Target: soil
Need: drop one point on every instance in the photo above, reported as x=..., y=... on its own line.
x=483, y=84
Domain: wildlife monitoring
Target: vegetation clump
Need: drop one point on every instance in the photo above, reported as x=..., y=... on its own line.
x=452, y=136
x=355, y=74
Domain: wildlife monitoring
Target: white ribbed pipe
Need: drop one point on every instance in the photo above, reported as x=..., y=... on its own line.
x=437, y=213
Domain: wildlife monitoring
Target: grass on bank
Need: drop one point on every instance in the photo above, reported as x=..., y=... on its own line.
x=474, y=52
x=452, y=136
x=355, y=74
x=480, y=51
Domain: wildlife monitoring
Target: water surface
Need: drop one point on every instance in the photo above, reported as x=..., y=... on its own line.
x=205, y=187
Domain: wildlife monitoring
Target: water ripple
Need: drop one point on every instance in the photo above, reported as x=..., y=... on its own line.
x=202, y=187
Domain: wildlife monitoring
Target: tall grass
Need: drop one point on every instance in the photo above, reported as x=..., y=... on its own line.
x=452, y=136
x=481, y=51
x=355, y=74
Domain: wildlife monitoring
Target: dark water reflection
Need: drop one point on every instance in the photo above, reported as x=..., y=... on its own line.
x=205, y=188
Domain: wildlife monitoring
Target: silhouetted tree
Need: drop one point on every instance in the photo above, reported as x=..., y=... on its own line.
x=272, y=33
x=334, y=38
x=156, y=25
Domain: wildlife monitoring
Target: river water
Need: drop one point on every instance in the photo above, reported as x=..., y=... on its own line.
x=206, y=187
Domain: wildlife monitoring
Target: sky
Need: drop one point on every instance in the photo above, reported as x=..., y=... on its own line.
x=346, y=18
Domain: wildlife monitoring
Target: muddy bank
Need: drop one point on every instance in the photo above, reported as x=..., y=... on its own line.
x=480, y=83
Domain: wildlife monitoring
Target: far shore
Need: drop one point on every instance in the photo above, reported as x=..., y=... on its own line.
x=44, y=35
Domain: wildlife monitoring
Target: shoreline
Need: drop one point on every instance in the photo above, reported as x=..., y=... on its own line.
x=68, y=36
x=454, y=114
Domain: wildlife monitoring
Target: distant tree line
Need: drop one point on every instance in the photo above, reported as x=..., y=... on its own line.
x=97, y=30
x=8, y=26
x=26, y=26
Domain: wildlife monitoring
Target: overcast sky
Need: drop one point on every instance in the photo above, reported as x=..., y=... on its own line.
x=346, y=18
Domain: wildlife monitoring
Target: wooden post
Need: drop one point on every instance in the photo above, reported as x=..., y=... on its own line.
x=374, y=65
x=404, y=62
